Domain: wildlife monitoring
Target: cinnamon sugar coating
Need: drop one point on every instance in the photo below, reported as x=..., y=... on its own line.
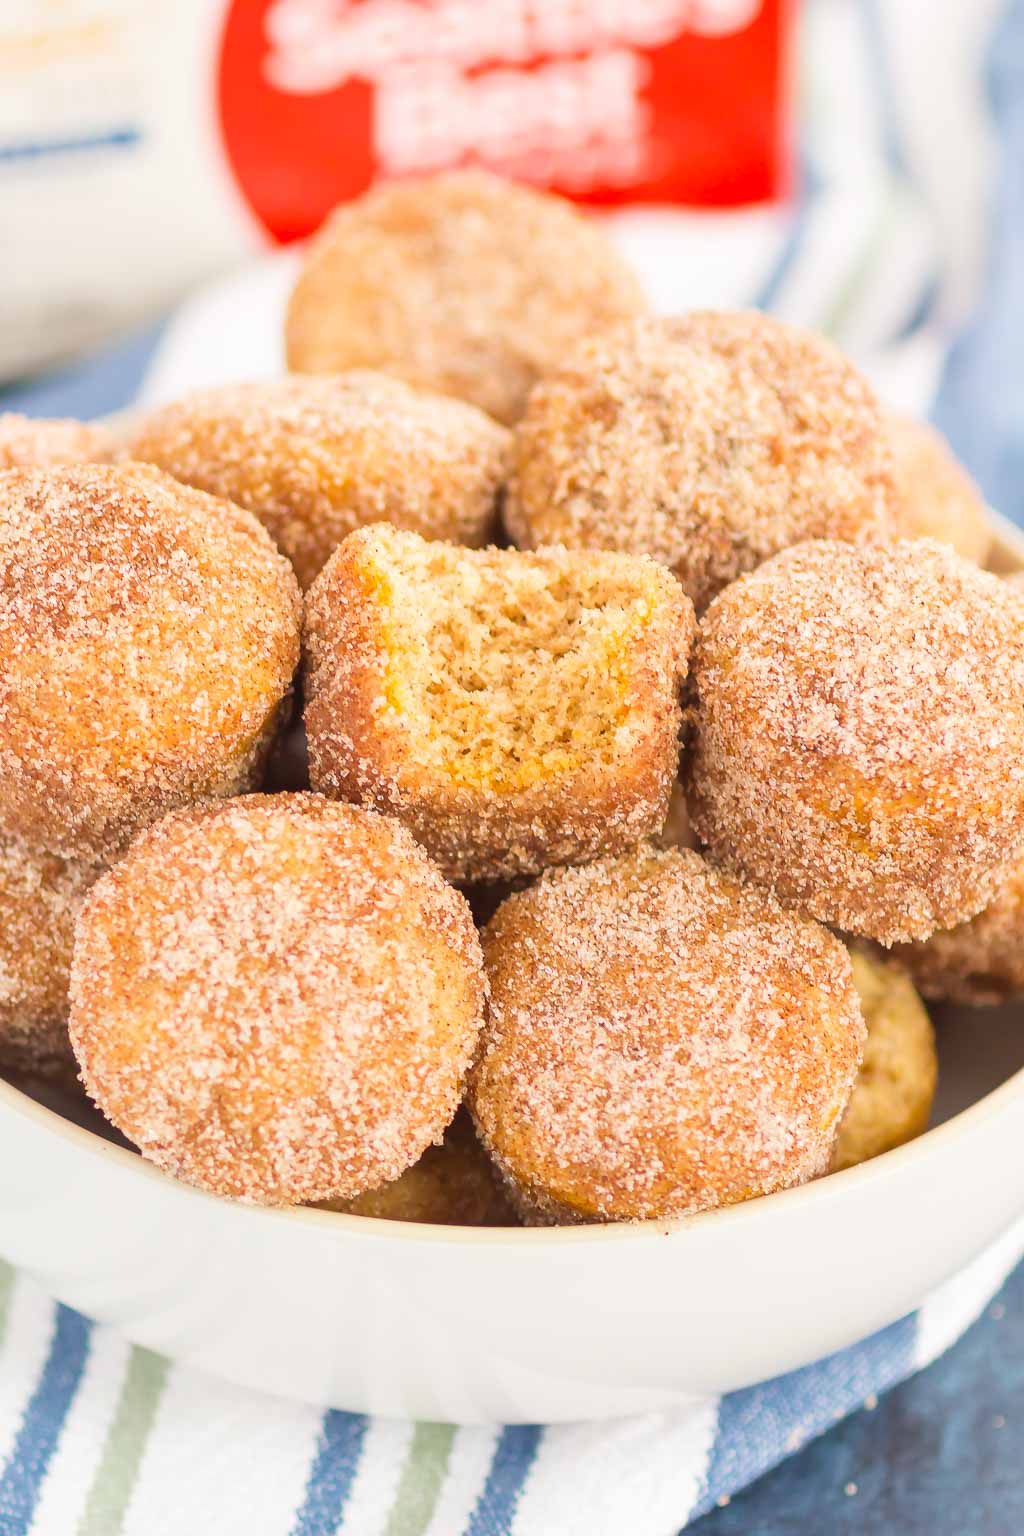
x=661, y=1039
x=37, y=440
x=860, y=734
x=148, y=639
x=892, y=1096
x=980, y=962
x=709, y=440
x=460, y=282
x=314, y=458
x=939, y=500
x=454, y=1184
x=277, y=998
x=40, y=896
x=513, y=710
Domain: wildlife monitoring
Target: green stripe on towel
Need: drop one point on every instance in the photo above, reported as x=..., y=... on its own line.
x=125, y=1444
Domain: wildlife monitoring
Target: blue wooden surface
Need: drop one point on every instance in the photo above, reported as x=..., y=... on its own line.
x=941, y=1455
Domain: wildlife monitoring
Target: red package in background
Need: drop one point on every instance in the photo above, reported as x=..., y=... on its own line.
x=612, y=102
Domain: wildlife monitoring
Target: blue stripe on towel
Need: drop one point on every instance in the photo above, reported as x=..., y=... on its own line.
x=22, y=1479
x=510, y=1466
x=332, y=1473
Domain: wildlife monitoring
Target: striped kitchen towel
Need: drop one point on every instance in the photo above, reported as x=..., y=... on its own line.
x=99, y=1438
x=888, y=246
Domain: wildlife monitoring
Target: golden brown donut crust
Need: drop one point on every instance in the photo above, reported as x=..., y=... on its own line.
x=460, y=282
x=454, y=1184
x=980, y=962
x=660, y=1040
x=709, y=440
x=277, y=998
x=314, y=458
x=40, y=896
x=514, y=711
x=148, y=639
x=938, y=498
x=892, y=1096
x=37, y=440
x=843, y=697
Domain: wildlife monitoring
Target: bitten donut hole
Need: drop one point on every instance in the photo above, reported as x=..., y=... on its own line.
x=515, y=672
x=515, y=710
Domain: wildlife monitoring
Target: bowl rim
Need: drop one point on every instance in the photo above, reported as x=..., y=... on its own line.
x=1007, y=555
x=828, y=1187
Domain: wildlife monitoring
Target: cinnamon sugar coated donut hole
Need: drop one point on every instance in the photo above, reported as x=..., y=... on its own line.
x=660, y=1040
x=514, y=710
x=277, y=998
x=709, y=440
x=454, y=1184
x=34, y=440
x=980, y=962
x=892, y=1096
x=314, y=458
x=461, y=282
x=148, y=639
x=40, y=896
x=859, y=742
x=939, y=500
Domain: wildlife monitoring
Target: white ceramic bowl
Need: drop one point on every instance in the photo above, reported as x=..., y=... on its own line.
x=528, y=1325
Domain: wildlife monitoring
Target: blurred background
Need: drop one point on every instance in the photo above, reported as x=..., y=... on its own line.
x=851, y=164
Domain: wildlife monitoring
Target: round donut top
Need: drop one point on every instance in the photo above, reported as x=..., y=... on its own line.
x=277, y=997
x=662, y=1039
x=293, y=450
x=906, y=663
x=709, y=440
x=84, y=547
x=143, y=625
x=29, y=440
x=462, y=281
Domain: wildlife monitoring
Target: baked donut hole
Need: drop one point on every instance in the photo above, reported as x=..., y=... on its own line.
x=660, y=1040
x=938, y=498
x=461, y=282
x=709, y=440
x=41, y=895
x=453, y=1184
x=149, y=635
x=314, y=458
x=980, y=962
x=843, y=694
x=277, y=998
x=514, y=710
x=27, y=441
x=892, y=1096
